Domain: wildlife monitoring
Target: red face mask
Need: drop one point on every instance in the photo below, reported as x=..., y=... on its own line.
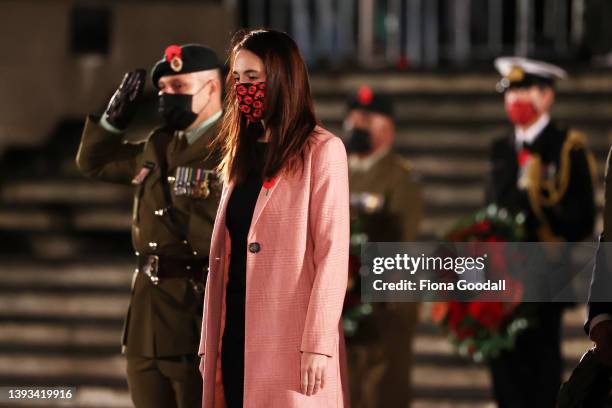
x=250, y=98
x=521, y=112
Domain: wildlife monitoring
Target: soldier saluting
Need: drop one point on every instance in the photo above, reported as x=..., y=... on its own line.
x=175, y=202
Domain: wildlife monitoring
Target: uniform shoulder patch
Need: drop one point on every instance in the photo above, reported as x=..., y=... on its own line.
x=143, y=173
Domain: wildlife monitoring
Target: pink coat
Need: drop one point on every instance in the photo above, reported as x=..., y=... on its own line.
x=295, y=285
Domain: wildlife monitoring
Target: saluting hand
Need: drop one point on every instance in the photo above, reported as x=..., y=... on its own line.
x=122, y=106
x=312, y=371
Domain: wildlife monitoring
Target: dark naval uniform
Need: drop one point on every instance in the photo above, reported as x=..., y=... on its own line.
x=387, y=199
x=548, y=174
x=559, y=206
x=171, y=236
x=564, y=212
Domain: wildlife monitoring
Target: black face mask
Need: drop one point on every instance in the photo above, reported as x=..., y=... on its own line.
x=176, y=111
x=359, y=141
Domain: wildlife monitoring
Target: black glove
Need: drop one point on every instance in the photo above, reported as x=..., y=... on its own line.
x=122, y=106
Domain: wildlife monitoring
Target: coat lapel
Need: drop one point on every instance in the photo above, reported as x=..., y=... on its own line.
x=262, y=200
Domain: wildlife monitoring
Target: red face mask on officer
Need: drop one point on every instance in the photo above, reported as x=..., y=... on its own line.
x=525, y=105
x=521, y=112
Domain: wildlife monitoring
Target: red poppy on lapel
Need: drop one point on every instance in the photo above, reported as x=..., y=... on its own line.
x=269, y=183
x=523, y=156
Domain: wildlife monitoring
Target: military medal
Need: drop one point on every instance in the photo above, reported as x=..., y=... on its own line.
x=192, y=182
x=203, y=190
x=143, y=173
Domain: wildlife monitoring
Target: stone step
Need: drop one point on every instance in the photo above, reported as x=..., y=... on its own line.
x=66, y=278
x=64, y=192
x=84, y=306
x=441, y=109
x=70, y=219
x=445, y=83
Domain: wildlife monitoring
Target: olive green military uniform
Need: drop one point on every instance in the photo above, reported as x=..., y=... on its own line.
x=162, y=328
x=387, y=199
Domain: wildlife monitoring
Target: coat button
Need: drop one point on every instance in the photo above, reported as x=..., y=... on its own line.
x=254, y=247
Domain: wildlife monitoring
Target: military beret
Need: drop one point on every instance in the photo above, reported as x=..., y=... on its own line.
x=365, y=98
x=183, y=60
x=518, y=72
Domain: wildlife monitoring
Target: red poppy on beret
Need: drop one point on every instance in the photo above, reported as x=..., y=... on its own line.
x=365, y=95
x=173, y=51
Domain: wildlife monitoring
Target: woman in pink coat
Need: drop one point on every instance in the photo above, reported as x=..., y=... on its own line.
x=271, y=333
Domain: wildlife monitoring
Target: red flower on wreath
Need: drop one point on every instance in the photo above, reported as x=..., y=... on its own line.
x=456, y=313
x=488, y=314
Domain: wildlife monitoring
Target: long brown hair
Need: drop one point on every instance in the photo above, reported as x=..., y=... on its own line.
x=288, y=109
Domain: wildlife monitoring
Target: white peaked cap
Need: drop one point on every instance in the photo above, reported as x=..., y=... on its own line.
x=505, y=65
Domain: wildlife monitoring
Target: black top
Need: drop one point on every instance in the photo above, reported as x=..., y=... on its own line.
x=240, y=208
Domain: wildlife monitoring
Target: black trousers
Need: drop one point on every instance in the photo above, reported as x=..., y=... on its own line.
x=165, y=382
x=530, y=375
x=232, y=349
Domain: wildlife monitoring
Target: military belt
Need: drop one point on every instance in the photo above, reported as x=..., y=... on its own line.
x=158, y=267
